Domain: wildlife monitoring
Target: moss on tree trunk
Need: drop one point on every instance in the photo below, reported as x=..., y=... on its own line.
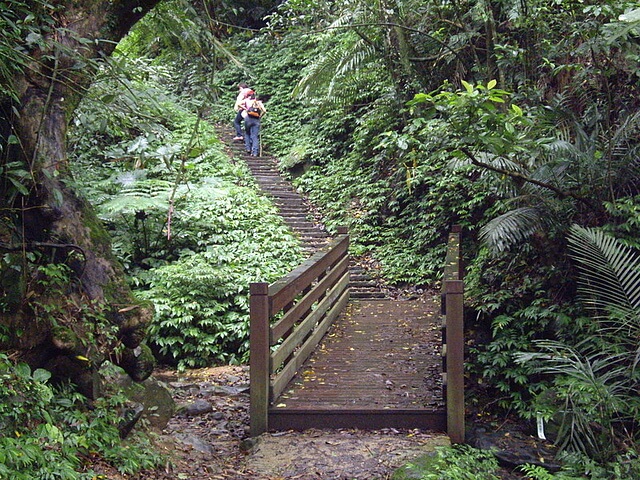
x=75, y=308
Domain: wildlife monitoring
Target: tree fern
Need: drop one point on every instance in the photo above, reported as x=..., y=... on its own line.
x=139, y=196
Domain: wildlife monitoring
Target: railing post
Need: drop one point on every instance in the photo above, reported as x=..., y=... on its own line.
x=455, y=360
x=343, y=230
x=456, y=230
x=259, y=368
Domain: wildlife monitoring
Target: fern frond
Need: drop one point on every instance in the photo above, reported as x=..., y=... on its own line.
x=610, y=273
x=319, y=75
x=144, y=195
x=511, y=228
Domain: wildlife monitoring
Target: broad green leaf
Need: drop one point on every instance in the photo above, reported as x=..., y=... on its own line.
x=632, y=16
x=19, y=186
x=419, y=98
x=195, y=152
x=41, y=375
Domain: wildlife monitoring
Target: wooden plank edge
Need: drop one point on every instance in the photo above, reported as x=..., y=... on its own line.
x=281, y=419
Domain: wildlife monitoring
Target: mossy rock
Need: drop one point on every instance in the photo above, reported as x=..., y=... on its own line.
x=65, y=338
x=138, y=362
x=457, y=461
x=418, y=467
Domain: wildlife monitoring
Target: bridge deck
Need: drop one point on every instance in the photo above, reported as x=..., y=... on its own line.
x=378, y=366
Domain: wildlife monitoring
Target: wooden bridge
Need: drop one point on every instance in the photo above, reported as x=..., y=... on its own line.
x=327, y=351
x=319, y=360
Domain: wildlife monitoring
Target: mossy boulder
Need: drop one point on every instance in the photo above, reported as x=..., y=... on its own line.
x=417, y=467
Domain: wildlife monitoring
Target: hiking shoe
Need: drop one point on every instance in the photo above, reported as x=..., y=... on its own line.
x=238, y=138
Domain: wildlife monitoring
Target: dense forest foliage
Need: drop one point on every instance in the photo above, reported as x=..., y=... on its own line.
x=519, y=120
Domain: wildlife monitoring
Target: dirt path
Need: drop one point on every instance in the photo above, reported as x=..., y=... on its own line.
x=213, y=443
x=346, y=454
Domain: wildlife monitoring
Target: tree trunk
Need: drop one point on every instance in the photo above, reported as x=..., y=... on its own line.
x=64, y=322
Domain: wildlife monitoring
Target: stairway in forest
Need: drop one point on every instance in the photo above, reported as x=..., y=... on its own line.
x=296, y=211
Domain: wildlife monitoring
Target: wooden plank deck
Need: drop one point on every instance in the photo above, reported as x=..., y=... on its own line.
x=379, y=366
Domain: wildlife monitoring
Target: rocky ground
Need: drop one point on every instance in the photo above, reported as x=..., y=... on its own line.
x=208, y=439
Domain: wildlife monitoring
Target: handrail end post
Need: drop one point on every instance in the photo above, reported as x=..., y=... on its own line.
x=455, y=360
x=259, y=368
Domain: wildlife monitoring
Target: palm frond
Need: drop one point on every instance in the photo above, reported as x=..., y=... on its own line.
x=361, y=54
x=503, y=188
x=610, y=274
x=559, y=147
x=502, y=163
x=556, y=173
x=511, y=228
x=344, y=20
x=319, y=74
x=625, y=155
x=597, y=395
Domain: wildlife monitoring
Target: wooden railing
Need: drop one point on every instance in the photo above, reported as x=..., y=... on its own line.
x=453, y=337
x=305, y=304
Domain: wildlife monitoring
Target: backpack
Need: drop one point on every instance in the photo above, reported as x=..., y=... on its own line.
x=254, y=112
x=252, y=104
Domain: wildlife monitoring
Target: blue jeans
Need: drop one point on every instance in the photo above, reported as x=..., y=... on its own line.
x=237, y=124
x=252, y=135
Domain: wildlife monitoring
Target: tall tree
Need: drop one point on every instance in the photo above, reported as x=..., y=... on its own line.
x=57, y=317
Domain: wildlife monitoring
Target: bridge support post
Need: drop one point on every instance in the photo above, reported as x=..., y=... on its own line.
x=259, y=358
x=455, y=360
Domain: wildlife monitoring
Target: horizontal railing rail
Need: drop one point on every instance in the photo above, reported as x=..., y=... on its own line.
x=288, y=320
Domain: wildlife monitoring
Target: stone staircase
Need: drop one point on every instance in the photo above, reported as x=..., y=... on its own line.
x=296, y=211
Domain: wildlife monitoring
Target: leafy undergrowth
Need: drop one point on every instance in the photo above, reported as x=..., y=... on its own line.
x=54, y=433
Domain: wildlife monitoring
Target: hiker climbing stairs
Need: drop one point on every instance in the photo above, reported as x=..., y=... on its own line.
x=296, y=211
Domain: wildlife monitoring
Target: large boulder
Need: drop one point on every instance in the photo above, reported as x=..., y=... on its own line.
x=155, y=398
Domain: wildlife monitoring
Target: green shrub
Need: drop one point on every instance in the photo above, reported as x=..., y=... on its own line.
x=202, y=300
x=49, y=433
x=459, y=462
